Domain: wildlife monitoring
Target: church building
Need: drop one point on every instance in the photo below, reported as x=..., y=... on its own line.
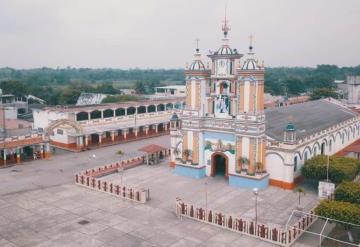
x=225, y=131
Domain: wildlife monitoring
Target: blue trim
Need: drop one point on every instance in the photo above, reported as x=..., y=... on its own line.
x=248, y=183
x=189, y=171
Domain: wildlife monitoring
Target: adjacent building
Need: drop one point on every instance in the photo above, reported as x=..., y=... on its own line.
x=174, y=90
x=82, y=127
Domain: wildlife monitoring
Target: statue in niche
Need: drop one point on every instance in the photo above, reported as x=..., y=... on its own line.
x=221, y=104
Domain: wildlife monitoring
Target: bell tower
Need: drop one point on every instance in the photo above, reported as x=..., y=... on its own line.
x=250, y=115
x=222, y=100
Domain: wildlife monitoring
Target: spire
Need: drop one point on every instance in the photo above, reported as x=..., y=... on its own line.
x=225, y=27
x=197, y=64
x=197, y=45
x=251, y=39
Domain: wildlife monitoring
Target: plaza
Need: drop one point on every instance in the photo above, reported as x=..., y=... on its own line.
x=41, y=206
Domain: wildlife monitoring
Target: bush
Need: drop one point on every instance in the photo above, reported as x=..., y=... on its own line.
x=340, y=168
x=348, y=192
x=120, y=152
x=343, y=211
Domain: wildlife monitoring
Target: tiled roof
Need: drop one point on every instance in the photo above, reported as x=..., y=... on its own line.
x=308, y=118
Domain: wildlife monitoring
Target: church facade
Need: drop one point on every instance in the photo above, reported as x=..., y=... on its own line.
x=223, y=122
x=224, y=129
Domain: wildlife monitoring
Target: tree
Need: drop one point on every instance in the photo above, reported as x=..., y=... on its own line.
x=16, y=88
x=324, y=93
x=348, y=192
x=340, y=168
x=140, y=87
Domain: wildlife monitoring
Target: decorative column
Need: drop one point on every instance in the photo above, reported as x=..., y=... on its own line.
x=136, y=131
x=100, y=137
x=47, y=150
x=81, y=141
x=156, y=128
x=86, y=140
x=18, y=158
x=42, y=151
x=125, y=133
x=165, y=126
x=146, y=130
x=5, y=153
x=112, y=136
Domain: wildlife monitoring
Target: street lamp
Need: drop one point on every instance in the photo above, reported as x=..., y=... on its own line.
x=206, y=200
x=256, y=193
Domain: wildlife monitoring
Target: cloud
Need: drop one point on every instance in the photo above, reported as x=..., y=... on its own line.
x=161, y=33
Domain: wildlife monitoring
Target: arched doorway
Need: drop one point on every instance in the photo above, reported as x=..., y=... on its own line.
x=95, y=139
x=219, y=165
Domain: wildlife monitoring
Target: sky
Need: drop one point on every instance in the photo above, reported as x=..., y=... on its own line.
x=162, y=33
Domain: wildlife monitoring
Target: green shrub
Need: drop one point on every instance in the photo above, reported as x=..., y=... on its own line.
x=340, y=168
x=119, y=152
x=343, y=211
x=348, y=192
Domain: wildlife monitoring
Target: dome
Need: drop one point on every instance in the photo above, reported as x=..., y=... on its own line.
x=174, y=117
x=250, y=64
x=225, y=50
x=197, y=65
x=290, y=127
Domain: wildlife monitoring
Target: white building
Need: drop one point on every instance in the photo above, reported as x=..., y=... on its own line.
x=82, y=127
x=175, y=90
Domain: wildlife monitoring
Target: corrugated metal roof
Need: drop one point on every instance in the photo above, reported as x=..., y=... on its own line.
x=308, y=118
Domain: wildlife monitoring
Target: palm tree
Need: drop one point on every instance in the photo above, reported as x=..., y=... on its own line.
x=259, y=167
x=243, y=161
x=186, y=153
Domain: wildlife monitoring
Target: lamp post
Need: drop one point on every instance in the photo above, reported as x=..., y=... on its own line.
x=256, y=193
x=206, y=200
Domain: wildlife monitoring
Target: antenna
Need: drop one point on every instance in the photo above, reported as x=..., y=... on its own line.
x=197, y=44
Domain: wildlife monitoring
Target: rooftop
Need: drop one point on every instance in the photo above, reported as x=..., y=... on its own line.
x=77, y=108
x=308, y=118
x=152, y=148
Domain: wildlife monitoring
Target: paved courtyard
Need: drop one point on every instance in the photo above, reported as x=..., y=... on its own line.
x=40, y=205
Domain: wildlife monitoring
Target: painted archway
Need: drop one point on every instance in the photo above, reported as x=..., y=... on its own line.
x=219, y=164
x=61, y=122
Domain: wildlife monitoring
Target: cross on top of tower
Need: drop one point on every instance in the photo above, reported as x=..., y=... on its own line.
x=225, y=26
x=251, y=39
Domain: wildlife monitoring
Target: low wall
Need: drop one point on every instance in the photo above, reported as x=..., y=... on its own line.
x=91, y=179
x=249, y=182
x=275, y=235
x=190, y=171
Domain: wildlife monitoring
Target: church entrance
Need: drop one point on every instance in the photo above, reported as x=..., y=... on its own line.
x=219, y=165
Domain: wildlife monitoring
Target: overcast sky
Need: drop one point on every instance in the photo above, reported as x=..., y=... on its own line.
x=162, y=33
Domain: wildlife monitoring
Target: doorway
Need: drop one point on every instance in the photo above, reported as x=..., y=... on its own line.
x=219, y=165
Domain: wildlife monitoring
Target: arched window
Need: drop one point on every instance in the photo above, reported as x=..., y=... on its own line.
x=330, y=146
x=131, y=110
x=295, y=163
x=108, y=113
x=315, y=151
x=323, y=148
x=151, y=108
x=169, y=106
x=306, y=156
x=95, y=114
x=161, y=107
x=141, y=109
x=120, y=112
x=81, y=116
